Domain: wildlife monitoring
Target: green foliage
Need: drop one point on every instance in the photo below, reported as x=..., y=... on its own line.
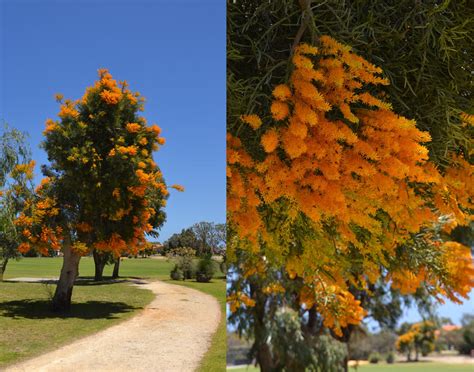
x=295, y=350
x=205, y=270
x=374, y=358
x=176, y=273
x=390, y=359
x=184, y=262
x=14, y=188
x=467, y=333
x=362, y=343
x=204, y=237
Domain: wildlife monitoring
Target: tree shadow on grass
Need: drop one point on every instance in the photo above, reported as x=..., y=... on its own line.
x=41, y=309
x=83, y=281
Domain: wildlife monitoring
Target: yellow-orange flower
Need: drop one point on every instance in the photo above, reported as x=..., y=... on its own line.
x=178, y=187
x=253, y=120
x=280, y=110
x=133, y=127
x=110, y=97
x=270, y=140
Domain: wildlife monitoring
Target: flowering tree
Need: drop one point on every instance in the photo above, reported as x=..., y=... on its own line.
x=330, y=191
x=102, y=191
x=419, y=337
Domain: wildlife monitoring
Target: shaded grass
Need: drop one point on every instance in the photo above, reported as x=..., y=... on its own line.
x=28, y=327
x=88, y=301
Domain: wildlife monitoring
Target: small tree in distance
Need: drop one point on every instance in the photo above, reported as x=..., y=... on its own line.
x=102, y=190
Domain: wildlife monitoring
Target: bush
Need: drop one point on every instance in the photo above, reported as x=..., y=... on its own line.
x=176, y=273
x=184, y=259
x=186, y=264
x=205, y=270
x=390, y=358
x=374, y=358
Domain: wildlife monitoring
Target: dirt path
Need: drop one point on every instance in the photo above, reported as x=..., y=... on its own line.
x=171, y=334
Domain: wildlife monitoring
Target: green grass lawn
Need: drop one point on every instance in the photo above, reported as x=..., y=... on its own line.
x=95, y=307
x=409, y=367
x=415, y=367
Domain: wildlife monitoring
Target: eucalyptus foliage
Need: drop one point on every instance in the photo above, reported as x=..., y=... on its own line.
x=13, y=152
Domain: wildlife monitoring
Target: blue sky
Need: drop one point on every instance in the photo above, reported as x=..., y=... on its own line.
x=173, y=52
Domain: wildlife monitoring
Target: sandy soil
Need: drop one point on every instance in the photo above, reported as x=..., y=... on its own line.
x=171, y=334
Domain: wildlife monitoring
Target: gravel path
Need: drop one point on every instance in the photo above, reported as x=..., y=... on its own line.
x=171, y=334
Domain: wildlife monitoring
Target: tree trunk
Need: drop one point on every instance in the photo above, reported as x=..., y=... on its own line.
x=263, y=353
x=264, y=358
x=3, y=267
x=69, y=274
x=115, y=274
x=99, y=263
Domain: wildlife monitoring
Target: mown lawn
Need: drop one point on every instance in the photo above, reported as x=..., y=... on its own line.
x=105, y=305
x=409, y=367
x=416, y=367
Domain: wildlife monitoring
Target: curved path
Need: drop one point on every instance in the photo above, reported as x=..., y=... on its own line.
x=172, y=333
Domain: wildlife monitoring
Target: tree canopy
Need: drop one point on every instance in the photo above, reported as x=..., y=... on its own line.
x=102, y=189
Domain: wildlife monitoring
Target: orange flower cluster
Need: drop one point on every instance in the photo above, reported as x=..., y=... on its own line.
x=178, y=187
x=338, y=157
x=238, y=299
x=458, y=264
x=133, y=127
x=35, y=232
x=24, y=169
x=51, y=126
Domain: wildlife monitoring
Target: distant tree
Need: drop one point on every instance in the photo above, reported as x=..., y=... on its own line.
x=185, y=238
x=362, y=343
x=419, y=338
x=467, y=332
x=205, y=238
x=209, y=236
x=16, y=174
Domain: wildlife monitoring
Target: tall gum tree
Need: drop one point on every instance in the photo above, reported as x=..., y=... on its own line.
x=102, y=190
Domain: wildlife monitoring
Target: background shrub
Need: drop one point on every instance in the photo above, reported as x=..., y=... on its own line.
x=176, y=273
x=374, y=358
x=205, y=270
x=390, y=358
